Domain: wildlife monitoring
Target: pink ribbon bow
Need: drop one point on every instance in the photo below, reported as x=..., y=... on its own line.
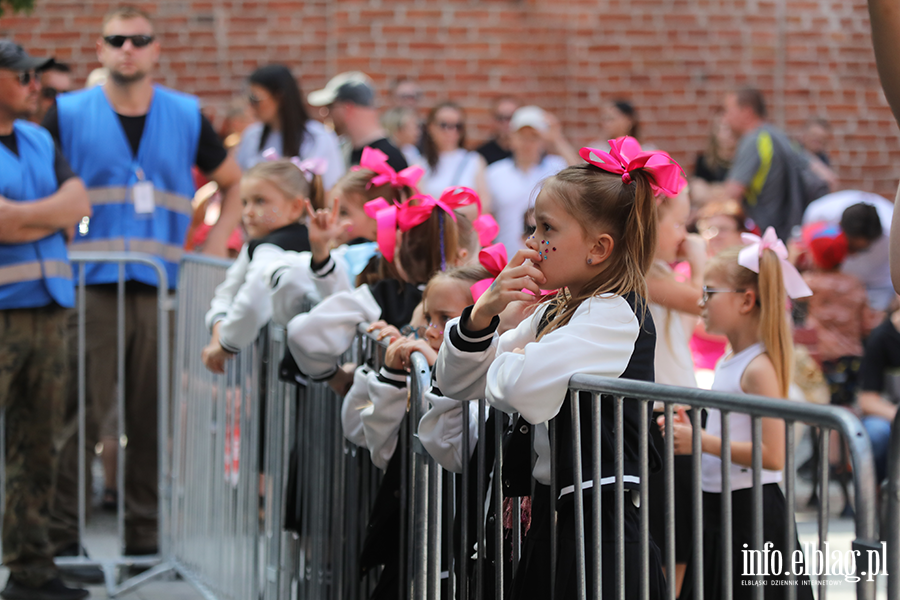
x=374, y=159
x=493, y=258
x=749, y=258
x=309, y=167
x=390, y=217
x=625, y=156
x=485, y=225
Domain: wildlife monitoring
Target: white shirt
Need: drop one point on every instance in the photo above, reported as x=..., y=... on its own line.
x=319, y=142
x=513, y=192
x=871, y=266
x=728, y=379
x=457, y=167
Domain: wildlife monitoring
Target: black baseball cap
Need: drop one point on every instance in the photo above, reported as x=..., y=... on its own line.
x=14, y=58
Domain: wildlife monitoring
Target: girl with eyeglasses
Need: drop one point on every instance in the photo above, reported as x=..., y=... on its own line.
x=745, y=299
x=285, y=126
x=447, y=162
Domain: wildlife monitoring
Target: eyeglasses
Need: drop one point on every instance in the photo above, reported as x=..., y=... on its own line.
x=408, y=97
x=708, y=291
x=422, y=330
x=450, y=126
x=138, y=41
x=25, y=77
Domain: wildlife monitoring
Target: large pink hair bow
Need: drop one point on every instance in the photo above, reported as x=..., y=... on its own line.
x=374, y=159
x=390, y=217
x=459, y=196
x=311, y=166
x=625, y=156
x=493, y=258
x=749, y=258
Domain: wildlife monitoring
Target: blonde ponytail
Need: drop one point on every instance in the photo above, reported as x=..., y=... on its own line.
x=774, y=328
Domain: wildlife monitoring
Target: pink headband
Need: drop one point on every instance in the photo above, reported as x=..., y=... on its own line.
x=390, y=217
x=374, y=159
x=485, y=225
x=625, y=157
x=749, y=258
x=309, y=167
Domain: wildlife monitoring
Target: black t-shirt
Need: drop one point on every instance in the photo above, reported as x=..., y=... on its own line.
x=395, y=157
x=704, y=171
x=60, y=164
x=210, y=151
x=492, y=152
x=882, y=355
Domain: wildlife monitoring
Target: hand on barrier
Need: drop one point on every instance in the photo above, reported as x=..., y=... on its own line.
x=325, y=227
x=509, y=286
x=682, y=430
x=384, y=330
x=397, y=355
x=342, y=379
x=214, y=356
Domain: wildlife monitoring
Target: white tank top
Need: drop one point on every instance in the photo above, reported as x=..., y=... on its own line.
x=728, y=379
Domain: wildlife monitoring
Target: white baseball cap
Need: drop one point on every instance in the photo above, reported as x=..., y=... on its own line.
x=351, y=86
x=529, y=116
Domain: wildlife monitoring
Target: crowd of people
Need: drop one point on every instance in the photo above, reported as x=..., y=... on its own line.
x=696, y=277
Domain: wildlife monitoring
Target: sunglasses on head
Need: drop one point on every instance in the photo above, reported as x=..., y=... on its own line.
x=138, y=41
x=24, y=77
x=450, y=126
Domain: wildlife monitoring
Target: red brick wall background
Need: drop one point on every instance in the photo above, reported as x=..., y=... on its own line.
x=673, y=58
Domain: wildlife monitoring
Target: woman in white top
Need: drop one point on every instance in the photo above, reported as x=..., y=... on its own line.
x=514, y=182
x=285, y=126
x=446, y=161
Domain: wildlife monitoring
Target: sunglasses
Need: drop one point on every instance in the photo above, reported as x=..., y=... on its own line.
x=138, y=41
x=254, y=100
x=25, y=77
x=450, y=126
x=502, y=118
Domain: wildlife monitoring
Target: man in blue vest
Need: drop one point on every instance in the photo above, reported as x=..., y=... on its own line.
x=40, y=198
x=134, y=144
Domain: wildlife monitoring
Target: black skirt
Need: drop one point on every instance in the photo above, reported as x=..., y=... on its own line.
x=684, y=516
x=774, y=511
x=532, y=578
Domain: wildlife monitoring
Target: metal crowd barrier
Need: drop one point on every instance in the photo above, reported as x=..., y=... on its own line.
x=892, y=531
x=239, y=438
x=157, y=564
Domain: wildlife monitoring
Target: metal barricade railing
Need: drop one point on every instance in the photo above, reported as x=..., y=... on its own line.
x=622, y=390
x=234, y=434
x=157, y=563
x=891, y=529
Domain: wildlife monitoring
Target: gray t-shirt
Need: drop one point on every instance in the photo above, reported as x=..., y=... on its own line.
x=770, y=171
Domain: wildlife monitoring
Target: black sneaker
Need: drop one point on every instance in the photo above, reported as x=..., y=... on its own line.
x=79, y=573
x=54, y=589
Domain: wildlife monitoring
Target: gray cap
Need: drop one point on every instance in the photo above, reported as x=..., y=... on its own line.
x=14, y=58
x=352, y=86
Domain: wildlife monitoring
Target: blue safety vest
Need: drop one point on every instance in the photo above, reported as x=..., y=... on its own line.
x=37, y=273
x=94, y=142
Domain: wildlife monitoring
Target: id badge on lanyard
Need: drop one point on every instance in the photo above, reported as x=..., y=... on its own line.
x=142, y=195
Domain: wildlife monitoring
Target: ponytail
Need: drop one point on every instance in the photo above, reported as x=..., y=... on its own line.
x=627, y=211
x=317, y=192
x=773, y=324
x=774, y=329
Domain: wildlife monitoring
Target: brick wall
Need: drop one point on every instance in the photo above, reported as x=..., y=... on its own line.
x=673, y=58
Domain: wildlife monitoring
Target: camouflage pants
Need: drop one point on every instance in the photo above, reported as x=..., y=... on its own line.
x=33, y=380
